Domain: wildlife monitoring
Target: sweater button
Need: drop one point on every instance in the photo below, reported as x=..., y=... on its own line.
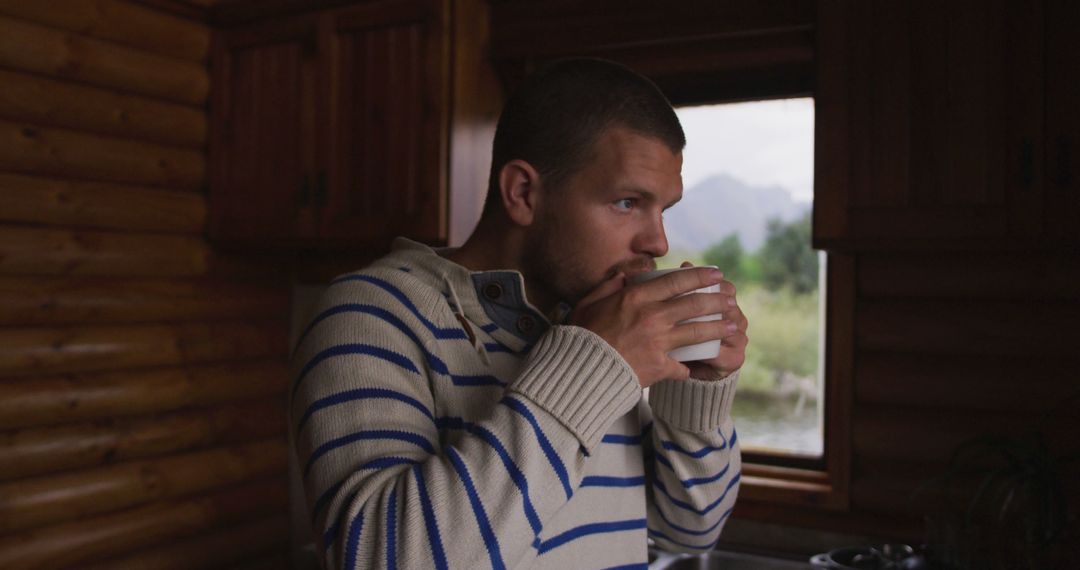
x=493, y=291
x=525, y=324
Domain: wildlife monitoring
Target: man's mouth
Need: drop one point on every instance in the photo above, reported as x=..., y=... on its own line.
x=633, y=267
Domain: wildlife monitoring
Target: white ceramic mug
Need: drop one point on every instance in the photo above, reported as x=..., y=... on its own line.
x=701, y=351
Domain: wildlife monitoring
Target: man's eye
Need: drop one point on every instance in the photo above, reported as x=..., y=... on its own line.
x=625, y=203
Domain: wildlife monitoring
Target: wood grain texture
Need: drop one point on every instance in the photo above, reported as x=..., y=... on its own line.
x=108, y=300
x=998, y=276
x=41, y=401
x=968, y=327
x=36, y=502
x=46, y=51
x=64, y=104
x=97, y=538
x=951, y=383
x=221, y=547
x=55, y=350
x=120, y=22
x=50, y=151
x=34, y=251
x=39, y=451
x=71, y=204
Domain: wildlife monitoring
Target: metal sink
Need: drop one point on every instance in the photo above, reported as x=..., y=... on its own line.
x=722, y=560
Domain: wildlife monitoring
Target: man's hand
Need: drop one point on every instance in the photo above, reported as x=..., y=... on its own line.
x=732, y=346
x=641, y=321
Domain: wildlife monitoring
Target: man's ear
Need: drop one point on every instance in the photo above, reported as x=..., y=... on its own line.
x=520, y=189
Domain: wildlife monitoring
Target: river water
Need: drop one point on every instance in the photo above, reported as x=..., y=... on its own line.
x=774, y=424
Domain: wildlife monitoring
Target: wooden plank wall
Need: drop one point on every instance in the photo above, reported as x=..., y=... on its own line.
x=141, y=370
x=953, y=345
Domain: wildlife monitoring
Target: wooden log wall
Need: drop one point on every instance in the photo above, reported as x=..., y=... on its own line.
x=142, y=371
x=951, y=346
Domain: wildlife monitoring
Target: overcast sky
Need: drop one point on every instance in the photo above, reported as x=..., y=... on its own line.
x=761, y=143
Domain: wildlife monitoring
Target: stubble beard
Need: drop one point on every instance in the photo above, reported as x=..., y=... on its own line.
x=554, y=267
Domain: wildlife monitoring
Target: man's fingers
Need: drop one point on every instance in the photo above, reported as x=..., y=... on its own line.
x=695, y=333
x=678, y=282
x=696, y=305
x=604, y=289
x=678, y=370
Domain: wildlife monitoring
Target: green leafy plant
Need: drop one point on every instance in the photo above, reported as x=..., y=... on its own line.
x=1006, y=503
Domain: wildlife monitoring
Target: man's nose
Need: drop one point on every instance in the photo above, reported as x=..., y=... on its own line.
x=653, y=240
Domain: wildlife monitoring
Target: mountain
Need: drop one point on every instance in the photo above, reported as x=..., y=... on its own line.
x=721, y=204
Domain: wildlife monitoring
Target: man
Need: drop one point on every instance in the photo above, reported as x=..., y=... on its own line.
x=451, y=410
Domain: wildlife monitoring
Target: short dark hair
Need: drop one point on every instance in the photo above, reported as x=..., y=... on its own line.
x=554, y=118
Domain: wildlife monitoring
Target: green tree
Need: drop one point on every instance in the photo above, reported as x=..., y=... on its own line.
x=727, y=254
x=786, y=257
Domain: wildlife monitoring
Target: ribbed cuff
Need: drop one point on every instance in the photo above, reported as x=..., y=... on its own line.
x=693, y=405
x=580, y=380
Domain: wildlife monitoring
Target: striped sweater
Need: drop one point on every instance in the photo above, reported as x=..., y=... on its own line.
x=440, y=421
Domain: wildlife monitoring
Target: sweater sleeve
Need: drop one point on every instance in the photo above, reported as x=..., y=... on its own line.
x=695, y=464
x=385, y=490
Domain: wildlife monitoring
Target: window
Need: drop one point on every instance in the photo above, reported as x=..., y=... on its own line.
x=747, y=202
x=748, y=177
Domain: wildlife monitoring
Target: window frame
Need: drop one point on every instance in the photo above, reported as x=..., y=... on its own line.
x=790, y=479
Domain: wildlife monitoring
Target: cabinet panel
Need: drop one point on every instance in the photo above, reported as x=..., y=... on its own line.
x=264, y=150
x=939, y=117
x=1063, y=121
x=331, y=127
x=387, y=159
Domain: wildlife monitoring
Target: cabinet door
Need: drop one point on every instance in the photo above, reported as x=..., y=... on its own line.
x=264, y=147
x=388, y=135
x=1063, y=121
x=929, y=123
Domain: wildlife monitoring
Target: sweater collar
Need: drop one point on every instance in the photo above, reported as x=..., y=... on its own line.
x=495, y=300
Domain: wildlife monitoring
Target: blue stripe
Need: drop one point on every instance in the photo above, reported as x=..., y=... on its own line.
x=734, y=437
x=343, y=349
x=605, y=481
x=434, y=362
x=361, y=394
x=672, y=446
x=639, y=566
x=391, y=531
x=330, y=535
x=688, y=483
x=663, y=460
x=497, y=347
x=323, y=499
x=685, y=530
x=379, y=463
x=515, y=473
x=687, y=506
x=434, y=539
x=622, y=439
x=333, y=444
x=405, y=269
x=490, y=541
x=353, y=544
x=476, y=381
x=545, y=444
x=663, y=536
x=489, y=328
x=375, y=311
x=588, y=530
x=439, y=332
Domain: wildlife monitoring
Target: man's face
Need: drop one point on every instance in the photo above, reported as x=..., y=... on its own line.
x=607, y=217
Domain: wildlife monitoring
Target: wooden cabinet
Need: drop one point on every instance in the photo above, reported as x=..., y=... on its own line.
x=932, y=123
x=331, y=127
x=1063, y=122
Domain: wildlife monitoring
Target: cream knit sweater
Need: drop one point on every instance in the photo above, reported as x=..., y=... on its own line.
x=429, y=436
